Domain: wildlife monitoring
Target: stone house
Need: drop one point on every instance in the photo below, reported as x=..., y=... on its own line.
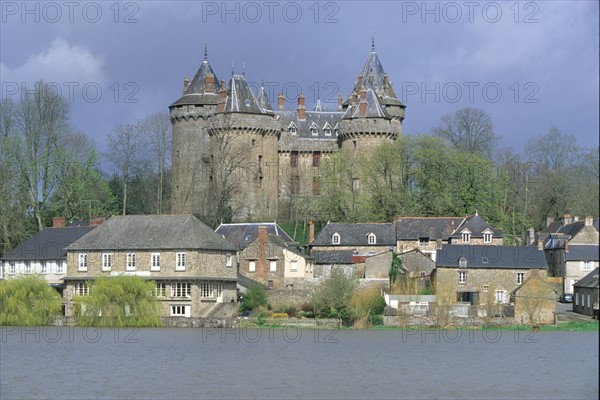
x=535, y=301
x=45, y=252
x=586, y=294
x=478, y=275
x=192, y=266
x=474, y=230
x=419, y=267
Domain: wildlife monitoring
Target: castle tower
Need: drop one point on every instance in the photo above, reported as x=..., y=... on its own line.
x=373, y=113
x=244, y=152
x=191, y=146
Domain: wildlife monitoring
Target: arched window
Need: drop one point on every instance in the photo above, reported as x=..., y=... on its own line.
x=335, y=238
x=371, y=238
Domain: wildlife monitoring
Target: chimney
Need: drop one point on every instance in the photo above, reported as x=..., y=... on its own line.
x=58, y=222
x=222, y=98
x=301, y=108
x=209, y=83
x=566, y=218
x=362, y=110
x=262, y=240
x=360, y=80
x=354, y=97
x=280, y=102
x=438, y=244
x=386, y=85
x=311, y=231
x=452, y=226
x=530, y=236
x=97, y=221
x=549, y=220
x=186, y=84
x=589, y=220
x=540, y=244
x=575, y=219
x=340, y=101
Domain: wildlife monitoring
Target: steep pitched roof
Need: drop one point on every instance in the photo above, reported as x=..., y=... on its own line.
x=263, y=100
x=49, y=244
x=333, y=257
x=152, y=232
x=591, y=280
x=242, y=234
x=490, y=257
x=582, y=252
x=434, y=228
x=476, y=225
x=356, y=234
x=240, y=97
x=196, y=91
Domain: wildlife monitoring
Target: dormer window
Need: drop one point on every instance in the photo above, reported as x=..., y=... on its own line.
x=423, y=241
x=314, y=129
x=462, y=262
x=371, y=238
x=335, y=238
x=247, y=102
x=327, y=129
x=487, y=236
x=466, y=236
x=293, y=129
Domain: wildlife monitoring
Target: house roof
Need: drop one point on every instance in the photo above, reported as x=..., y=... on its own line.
x=152, y=232
x=241, y=99
x=582, y=252
x=476, y=225
x=477, y=256
x=242, y=234
x=589, y=281
x=333, y=257
x=434, y=228
x=356, y=234
x=319, y=118
x=49, y=244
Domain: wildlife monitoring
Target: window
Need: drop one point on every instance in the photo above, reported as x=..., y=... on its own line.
x=179, y=311
x=500, y=296
x=82, y=289
x=487, y=237
x=60, y=267
x=181, y=290
x=520, y=277
x=273, y=265
x=155, y=262
x=335, y=238
x=371, y=238
x=270, y=284
x=292, y=129
x=228, y=260
x=294, y=265
x=327, y=129
x=160, y=290
x=424, y=241
x=466, y=236
x=316, y=158
x=585, y=265
x=486, y=288
x=211, y=290
x=589, y=301
x=423, y=274
x=11, y=268
x=251, y=265
x=106, y=261
x=462, y=276
x=43, y=268
x=82, y=263
x=462, y=262
x=180, y=266
x=130, y=262
x=294, y=159
x=314, y=130
x=316, y=186
x=576, y=299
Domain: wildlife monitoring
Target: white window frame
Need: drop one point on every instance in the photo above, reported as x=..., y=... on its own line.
x=272, y=265
x=314, y=129
x=228, y=260
x=327, y=129
x=465, y=236
x=294, y=265
x=462, y=277
x=292, y=128
x=44, y=267
x=180, y=310
x=130, y=262
x=12, y=268
x=81, y=289
x=487, y=237
x=500, y=297
x=210, y=290
x=486, y=288
x=520, y=277
x=154, y=261
x=160, y=290
x=181, y=289
x=585, y=265
x=60, y=267
x=180, y=261
x=106, y=261
x=82, y=262
x=335, y=238
x=371, y=238
x=251, y=265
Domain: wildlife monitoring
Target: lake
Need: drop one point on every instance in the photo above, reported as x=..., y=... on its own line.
x=79, y=363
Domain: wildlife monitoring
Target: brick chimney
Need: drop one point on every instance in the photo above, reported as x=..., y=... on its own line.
x=301, y=108
x=280, y=102
x=97, y=221
x=209, y=83
x=386, y=85
x=222, y=97
x=566, y=218
x=530, y=236
x=589, y=220
x=549, y=220
x=58, y=222
x=311, y=231
x=186, y=84
x=340, y=101
x=540, y=245
x=362, y=106
x=360, y=80
x=262, y=240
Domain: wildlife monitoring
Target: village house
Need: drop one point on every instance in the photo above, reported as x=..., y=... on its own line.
x=586, y=294
x=483, y=275
x=535, y=301
x=192, y=266
x=272, y=260
x=418, y=267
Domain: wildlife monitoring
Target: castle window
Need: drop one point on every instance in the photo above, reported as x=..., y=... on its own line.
x=327, y=129
x=335, y=238
x=292, y=129
x=487, y=236
x=462, y=276
x=316, y=158
x=294, y=159
x=314, y=129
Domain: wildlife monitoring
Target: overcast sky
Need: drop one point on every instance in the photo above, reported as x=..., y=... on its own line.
x=530, y=65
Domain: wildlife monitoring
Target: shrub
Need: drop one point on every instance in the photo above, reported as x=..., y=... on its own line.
x=255, y=297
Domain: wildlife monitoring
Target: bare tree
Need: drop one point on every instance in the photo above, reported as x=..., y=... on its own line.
x=158, y=128
x=127, y=152
x=468, y=129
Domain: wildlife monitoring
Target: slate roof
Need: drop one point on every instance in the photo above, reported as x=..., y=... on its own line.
x=196, y=91
x=240, y=97
x=412, y=228
x=320, y=118
x=574, y=228
x=374, y=109
x=582, y=252
x=476, y=225
x=242, y=234
x=517, y=257
x=49, y=244
x=333, y=257
x=356, y=234
x=590, y=280
x=152, y=232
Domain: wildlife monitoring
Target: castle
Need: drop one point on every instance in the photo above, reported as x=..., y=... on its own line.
x=232, y=151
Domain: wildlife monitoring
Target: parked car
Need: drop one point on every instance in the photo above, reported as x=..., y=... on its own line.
x=566, y=298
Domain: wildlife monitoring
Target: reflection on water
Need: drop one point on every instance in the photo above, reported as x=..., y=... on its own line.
x=75, y=363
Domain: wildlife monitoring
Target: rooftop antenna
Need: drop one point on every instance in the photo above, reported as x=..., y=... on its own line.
x=244, y=68
x=205, y=51
x=373, y=42
x=232, y=68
